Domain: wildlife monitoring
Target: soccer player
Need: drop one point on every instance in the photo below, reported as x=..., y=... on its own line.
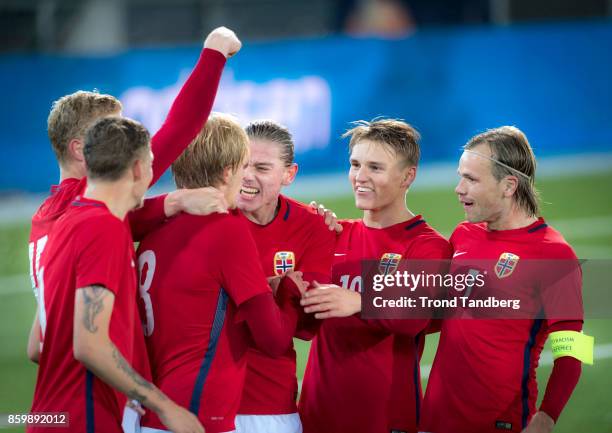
x=73, y=114
x=205, y=295
x=290, y=236
x=88, y=310
x=483, y=377
x=360, y=371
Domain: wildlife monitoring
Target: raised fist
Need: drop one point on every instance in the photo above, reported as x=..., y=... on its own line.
x=223, y=40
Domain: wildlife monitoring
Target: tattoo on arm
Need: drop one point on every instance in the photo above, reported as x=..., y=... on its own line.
x=134, y=394
x=93, y=297
x=93, y=300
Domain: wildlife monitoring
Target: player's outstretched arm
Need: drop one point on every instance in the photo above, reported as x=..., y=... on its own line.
x=329, y=300
x=94, y=349
x=194, y=102
x=198, y=201
x=155, y=210
x=34, y=340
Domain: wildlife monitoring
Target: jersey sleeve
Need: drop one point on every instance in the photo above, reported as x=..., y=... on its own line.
x=563, y=378
x=406, y=349
x=147, y=218
x=188, y=113
x=434, y=258
x=316, y=264
x=317, y=259
x=561, y=285
x=434, y=248
x=102, y=249
x=235, y=251
x=272, y=324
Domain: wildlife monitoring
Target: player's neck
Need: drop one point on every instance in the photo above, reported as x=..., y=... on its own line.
x=387, y=216
x=115, y=195
x=71, y=171
x=515, y=218
x=265, y=214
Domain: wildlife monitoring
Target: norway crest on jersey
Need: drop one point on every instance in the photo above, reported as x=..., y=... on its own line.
x=389, y=262
x=506, y=264
x=284, y=261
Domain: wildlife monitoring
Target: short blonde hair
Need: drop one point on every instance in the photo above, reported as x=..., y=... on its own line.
x=222, y=143
x=509, y=145
x=402, y=138
x=72, y=114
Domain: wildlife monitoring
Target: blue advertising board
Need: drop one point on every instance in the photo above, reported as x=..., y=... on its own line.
x=550, y=80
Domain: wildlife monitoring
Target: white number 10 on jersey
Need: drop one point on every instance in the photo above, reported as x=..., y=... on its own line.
x=351, y=283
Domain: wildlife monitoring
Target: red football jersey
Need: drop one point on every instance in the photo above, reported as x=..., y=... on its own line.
x=195, y=271
x=483, y=377
x=185, y=119
x=297, y=239
x=348, y=380
x=88, y=245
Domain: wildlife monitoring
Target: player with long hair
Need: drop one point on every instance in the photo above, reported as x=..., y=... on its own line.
x=290, y=236
x=483, y=378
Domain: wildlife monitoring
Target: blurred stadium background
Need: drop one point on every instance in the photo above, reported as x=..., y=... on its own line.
x=450, y=68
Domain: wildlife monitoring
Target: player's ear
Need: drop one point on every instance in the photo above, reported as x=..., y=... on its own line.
x=408, y=176
x=228, y=172
x=510, y=185
x=75, y=149
x=137, y=170
x=290, y=173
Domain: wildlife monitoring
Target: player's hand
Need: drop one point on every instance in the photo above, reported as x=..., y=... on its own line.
x=330, y=218
x=541, y=422
x=223, y=40
x=297, y=278
x=179, y=420
x=330, y=300
x=199, y=201
x=274, y=282
x=135, y=406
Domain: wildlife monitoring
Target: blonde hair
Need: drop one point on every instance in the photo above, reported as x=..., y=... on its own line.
x=220, y=144
x=510, y=147
x=402, y=138
x=72, y=114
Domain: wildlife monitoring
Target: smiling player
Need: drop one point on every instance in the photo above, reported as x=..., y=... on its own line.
x=483, y=376
x=204, y=293
x=363, y=376
x=289, y=236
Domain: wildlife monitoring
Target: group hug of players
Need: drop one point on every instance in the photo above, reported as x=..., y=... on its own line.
x=194, y=331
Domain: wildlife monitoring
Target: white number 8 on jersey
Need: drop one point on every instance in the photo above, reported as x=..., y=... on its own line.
x=145, y=278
